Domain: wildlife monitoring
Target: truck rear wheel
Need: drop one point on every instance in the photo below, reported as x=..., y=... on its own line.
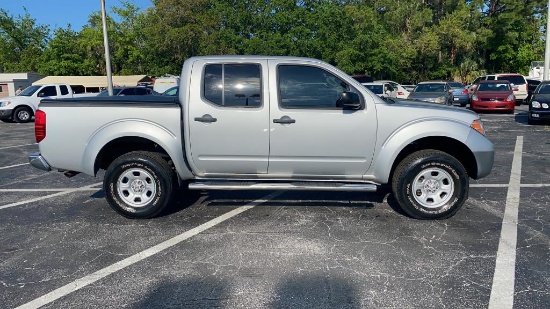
x=139, y=185
x=430, y=184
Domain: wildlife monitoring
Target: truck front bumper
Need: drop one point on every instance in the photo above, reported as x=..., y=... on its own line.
x=5, y=114
x=483, y=151
x=37, y=161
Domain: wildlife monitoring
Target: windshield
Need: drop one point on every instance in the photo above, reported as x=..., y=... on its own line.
x=513, y=79
x=29, y=91
x=430, y=88
x=544, y=89
x=171, y=92
x=375, y=88
x=494, y=87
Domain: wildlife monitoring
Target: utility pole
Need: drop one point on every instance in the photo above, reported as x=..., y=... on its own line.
x=107, y=53
x=547, y=52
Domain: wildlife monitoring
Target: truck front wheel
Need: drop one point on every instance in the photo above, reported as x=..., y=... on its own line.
x=22, y=114
x=430, y=184
x=139, y=185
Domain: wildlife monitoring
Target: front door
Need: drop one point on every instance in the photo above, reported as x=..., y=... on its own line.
x=311, y=134
x=228, y=118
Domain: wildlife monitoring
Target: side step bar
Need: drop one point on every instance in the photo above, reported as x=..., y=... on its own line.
x=296, y=186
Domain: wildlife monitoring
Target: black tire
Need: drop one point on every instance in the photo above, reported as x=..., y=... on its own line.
x=439, y=197
x=22, y=114
x=151, y=184
x=462, y=104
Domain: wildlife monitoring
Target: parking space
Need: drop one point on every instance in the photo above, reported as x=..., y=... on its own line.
x=63, y=247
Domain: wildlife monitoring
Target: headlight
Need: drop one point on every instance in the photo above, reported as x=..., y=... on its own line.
x=510, y=98
x=4, y=103
x=439, y=100
x=474, y=97
x=478, y=126
x=544, y=105
x=535, y=104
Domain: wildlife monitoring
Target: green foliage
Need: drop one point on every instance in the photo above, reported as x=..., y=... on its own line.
x=409, y=40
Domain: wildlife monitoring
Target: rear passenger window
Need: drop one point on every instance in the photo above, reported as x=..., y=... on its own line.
x=233, y=85
x=64, y=90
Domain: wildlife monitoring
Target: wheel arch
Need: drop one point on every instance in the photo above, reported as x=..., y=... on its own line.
x=451, y=140
x=451, y=146
x=114, y=140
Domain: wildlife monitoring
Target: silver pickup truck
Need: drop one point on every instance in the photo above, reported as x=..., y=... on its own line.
x=265, y=123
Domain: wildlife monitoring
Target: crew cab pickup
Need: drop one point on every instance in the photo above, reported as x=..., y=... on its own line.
x=265, y=123
x=22, y=107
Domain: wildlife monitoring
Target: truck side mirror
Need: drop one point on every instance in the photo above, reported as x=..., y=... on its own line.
x=349, y=100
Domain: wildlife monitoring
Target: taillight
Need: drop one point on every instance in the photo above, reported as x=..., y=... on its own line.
x=39, y=126
x=465, y=91
x=400, y=93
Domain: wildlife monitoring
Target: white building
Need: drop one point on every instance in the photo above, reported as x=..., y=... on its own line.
x=9, y=82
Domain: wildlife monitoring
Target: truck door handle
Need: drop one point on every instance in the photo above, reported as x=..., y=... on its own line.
x=206, y=118
x=284, y=119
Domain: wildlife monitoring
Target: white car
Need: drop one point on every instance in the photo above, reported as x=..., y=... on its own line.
x=383, y=90
x=401, y=92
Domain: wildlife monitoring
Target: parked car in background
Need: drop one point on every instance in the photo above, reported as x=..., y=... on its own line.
x=493, y=95
x=21, y=108
x=363, y=78
x=515, y=79
x=409, y=88
x=164, y=83
x=121, y=91
x=383, y=90
x=460, y=93
x=532, y=84
x=539, y=105
x=171, y=92
x=435, y=92
x=400, y=91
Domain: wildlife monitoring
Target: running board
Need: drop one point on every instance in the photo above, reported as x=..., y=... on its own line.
x=296, y=186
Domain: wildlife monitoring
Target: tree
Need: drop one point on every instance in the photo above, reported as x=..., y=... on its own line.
x=22, y=41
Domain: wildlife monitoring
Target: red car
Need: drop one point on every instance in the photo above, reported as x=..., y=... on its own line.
x=493, y=95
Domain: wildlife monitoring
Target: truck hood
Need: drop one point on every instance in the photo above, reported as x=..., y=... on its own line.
x=13, y=101
x=543, y=98
x=412, y=110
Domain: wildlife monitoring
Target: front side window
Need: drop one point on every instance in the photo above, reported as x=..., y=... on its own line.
x=48, y=91
x=309, y=87
x=233, y=85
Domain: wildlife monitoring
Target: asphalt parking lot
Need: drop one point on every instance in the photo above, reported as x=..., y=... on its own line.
x=63, y=247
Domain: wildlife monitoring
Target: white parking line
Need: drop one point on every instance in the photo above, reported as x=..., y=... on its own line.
x=10, y=166
x=502, y=291
x=17, y=146
x=49, y=196
x=48, y=190
x=102, y=273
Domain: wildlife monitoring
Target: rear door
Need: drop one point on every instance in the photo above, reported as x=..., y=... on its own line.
x=310, y=133
x=229, y=117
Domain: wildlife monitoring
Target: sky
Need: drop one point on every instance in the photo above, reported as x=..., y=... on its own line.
x=59, y=13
